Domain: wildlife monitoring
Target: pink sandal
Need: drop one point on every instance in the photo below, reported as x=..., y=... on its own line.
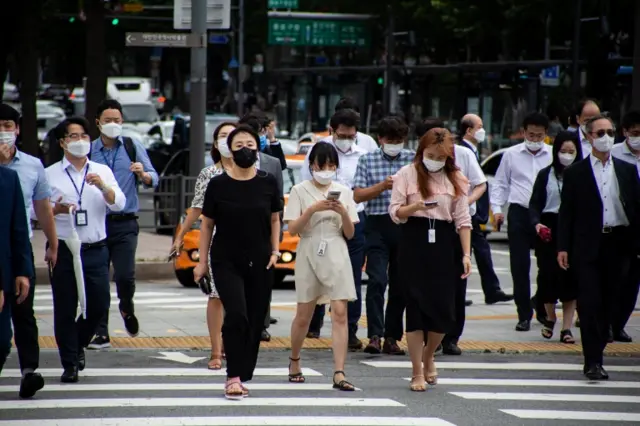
x=233, y=389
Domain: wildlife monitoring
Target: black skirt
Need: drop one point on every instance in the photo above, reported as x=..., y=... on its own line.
x=429, y=274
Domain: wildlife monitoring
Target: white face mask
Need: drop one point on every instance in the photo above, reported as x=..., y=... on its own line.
x=324, y=177
x=603, y=144
x=533, y=146
x=344, y=145
x=634, y=142
x=223, y=147
x=392, y=149
x=480, y=135
x=8, y=138
x=432, y=165
x=111, y=130
x=566, y=159
x=79, y=149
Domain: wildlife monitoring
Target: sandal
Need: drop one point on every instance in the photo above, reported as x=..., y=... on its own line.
x=343, y=384
x=215, y=362
x=567, y=337
x=415, y=387
x=233, y=389
x=432, y=376
x=245, y=390
x=295, y=377
x=547, y=329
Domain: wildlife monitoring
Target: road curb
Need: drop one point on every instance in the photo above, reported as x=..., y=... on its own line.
x=145, y=271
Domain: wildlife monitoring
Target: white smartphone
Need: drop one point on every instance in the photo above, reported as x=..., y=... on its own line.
x=333, y=195
x=430, y=203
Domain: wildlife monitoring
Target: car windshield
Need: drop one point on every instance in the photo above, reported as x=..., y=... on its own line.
x=290, y=177
x=139, y=113
x=42, y=109
x=210, y=125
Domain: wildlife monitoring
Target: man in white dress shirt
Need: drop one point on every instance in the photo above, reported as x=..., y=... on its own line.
x=92, y=190
x=513, y=184
x=344, y=124
x=363, y=140
x=628, y=151
x=585, y=110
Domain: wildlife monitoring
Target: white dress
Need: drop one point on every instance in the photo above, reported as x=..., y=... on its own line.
x=322, y=277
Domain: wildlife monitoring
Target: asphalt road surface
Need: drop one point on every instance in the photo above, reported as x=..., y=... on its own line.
x=134, y=388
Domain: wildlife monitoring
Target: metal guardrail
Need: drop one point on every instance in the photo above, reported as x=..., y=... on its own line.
x=169, y=201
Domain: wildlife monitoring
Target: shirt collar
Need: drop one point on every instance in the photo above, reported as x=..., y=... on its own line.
x=66, y=164
x=626, y=150
x=18, y=154
x=471, y=145
x=98, y=142
x=595, y=160
x=542, y=151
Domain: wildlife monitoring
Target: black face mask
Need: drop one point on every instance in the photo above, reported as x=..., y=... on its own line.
x=245, y=157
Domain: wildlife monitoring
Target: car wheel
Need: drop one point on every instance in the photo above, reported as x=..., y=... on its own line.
x=185, y=277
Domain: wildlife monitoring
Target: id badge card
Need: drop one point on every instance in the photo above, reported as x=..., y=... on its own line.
x=432, y=236
x=322, y=248
x=81, y=218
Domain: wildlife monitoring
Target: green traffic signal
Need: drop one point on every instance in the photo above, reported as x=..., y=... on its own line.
x=380, y=80
x=72, y=19
x=115, y=21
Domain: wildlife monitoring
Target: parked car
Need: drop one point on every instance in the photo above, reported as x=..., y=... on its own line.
x=490, y=167
x=10, y=93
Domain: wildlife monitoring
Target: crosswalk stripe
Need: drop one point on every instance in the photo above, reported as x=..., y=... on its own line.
x=157, y=372
x=131, y=387
x=45, y=294
x=574, y=415
x=239, y=420
x=553, y=397
x=525, y=366
x=537, y=382
x=196, y=402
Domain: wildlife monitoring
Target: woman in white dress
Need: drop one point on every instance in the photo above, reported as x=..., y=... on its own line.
x=222, y=161
x=323, y=213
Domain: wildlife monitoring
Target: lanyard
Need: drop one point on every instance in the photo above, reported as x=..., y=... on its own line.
x=84, y=179
x=115, y=155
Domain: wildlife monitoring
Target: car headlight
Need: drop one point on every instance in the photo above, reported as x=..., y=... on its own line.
x=285, y=227
x=194, y=255
x=286, y=257
x=196, y=224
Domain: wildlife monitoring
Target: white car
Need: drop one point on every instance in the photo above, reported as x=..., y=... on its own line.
x=10, y=93
x=490, y=167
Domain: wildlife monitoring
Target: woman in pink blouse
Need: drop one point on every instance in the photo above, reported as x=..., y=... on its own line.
x=429, y=201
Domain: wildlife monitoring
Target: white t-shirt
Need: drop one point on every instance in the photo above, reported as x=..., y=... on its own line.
x=363, y=140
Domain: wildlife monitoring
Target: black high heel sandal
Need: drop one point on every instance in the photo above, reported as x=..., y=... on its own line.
x=343, y=384
x=295, y=377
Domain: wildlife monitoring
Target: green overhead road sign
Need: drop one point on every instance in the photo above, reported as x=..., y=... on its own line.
x=283, y=4
x=307, y=32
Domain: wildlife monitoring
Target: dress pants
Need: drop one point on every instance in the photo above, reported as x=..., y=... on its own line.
x=26, y=328
x=73, y=333
x=599, y=291
x=629, y=296
x=122, y=243
x=482, y=253
x=382, y=237
x=522, y=236
x=5, y=328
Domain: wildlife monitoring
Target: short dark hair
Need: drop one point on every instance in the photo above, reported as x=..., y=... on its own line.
x=583, y=103
x=589, y=124
x=243, y=128
x=257, y=121
x=393, y=127
x=630, y=119
x=345, y=117
x=9, y=113
x=346, y=103
x=108, y=104
x=557, y=145
x=536, y=119
x=323, y=153
x=427, y=124
x=465, y=125
x=215, y=154
x=63, y=128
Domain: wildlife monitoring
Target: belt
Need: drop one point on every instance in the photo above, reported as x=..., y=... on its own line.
x=610, y=229
x=97, y=244
x=118, y=217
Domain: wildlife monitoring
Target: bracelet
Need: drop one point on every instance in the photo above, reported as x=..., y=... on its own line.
x=466, y=255
x=276, y=253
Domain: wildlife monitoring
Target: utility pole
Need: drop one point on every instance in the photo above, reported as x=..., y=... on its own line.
x=240, y=57
x=388, y=74
x=198, y=87
x=635, y=78
x=575, y=45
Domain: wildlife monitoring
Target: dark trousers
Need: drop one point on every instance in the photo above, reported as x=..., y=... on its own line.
x=599, y=292
x=245, y=291
x=629, y=296
x=73, y=335
x=267, y=318
x=382, y=237
x=522, y=236
x=26, y=329
x=482, y=252
x=122, y=243
x=5, y=328
x=356, y=247
x=460, y=299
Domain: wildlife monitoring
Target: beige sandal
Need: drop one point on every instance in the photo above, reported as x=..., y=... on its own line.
x=417, y=387
x=215, y=362
x=432, y=376
x=233, y=389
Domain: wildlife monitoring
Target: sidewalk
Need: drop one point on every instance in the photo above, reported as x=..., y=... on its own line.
x=151, y=257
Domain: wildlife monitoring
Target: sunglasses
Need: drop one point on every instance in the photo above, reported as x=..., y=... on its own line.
x=601, y=133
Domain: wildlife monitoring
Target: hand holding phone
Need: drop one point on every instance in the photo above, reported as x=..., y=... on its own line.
x=333, y=195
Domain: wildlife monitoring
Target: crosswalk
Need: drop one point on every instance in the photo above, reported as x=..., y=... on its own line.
x=537, y=398
x=193, y=397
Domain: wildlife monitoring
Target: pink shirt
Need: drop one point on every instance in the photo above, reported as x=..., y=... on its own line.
x=450, y=208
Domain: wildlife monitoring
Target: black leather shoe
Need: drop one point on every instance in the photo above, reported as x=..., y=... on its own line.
x=468, y=302
x=82, y=360
x=70, y=375
x=499, y=296
x=265, y=336
x=622, y=336
x=30, y=384
x=273, y=320
x=610, y=336
x=523, y=325
x=451, y=348
x=596, y=372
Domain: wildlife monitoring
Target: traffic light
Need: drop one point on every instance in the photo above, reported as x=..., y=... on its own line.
x=72, y=19
x=115, y=21
x=381, y=80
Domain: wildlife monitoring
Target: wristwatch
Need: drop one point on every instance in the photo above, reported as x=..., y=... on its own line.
x=276, y=253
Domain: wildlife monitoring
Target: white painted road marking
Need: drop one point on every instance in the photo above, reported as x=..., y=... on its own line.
x=524, y=366
x=538, y=382
x=575, y=415
x=552, y=397
x=157, y=372
x=131, y=387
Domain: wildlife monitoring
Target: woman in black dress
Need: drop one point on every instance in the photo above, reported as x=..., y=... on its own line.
x=243, y=205
x=554, y=283
x=429, y=200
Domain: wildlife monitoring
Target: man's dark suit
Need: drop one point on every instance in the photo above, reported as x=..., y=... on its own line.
x=15, y=250
x=600, y=260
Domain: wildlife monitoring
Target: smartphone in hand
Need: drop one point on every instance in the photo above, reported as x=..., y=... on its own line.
x=333, y=195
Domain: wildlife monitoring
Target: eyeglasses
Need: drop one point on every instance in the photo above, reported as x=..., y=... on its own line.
x=78, y=136
x=600, y=133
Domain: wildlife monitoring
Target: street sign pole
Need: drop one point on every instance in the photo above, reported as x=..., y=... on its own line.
x=240, y=58
x=198, y=88
x=388, y=74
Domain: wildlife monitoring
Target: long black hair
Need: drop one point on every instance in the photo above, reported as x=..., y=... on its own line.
x=563, y=137
x=323, y=153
